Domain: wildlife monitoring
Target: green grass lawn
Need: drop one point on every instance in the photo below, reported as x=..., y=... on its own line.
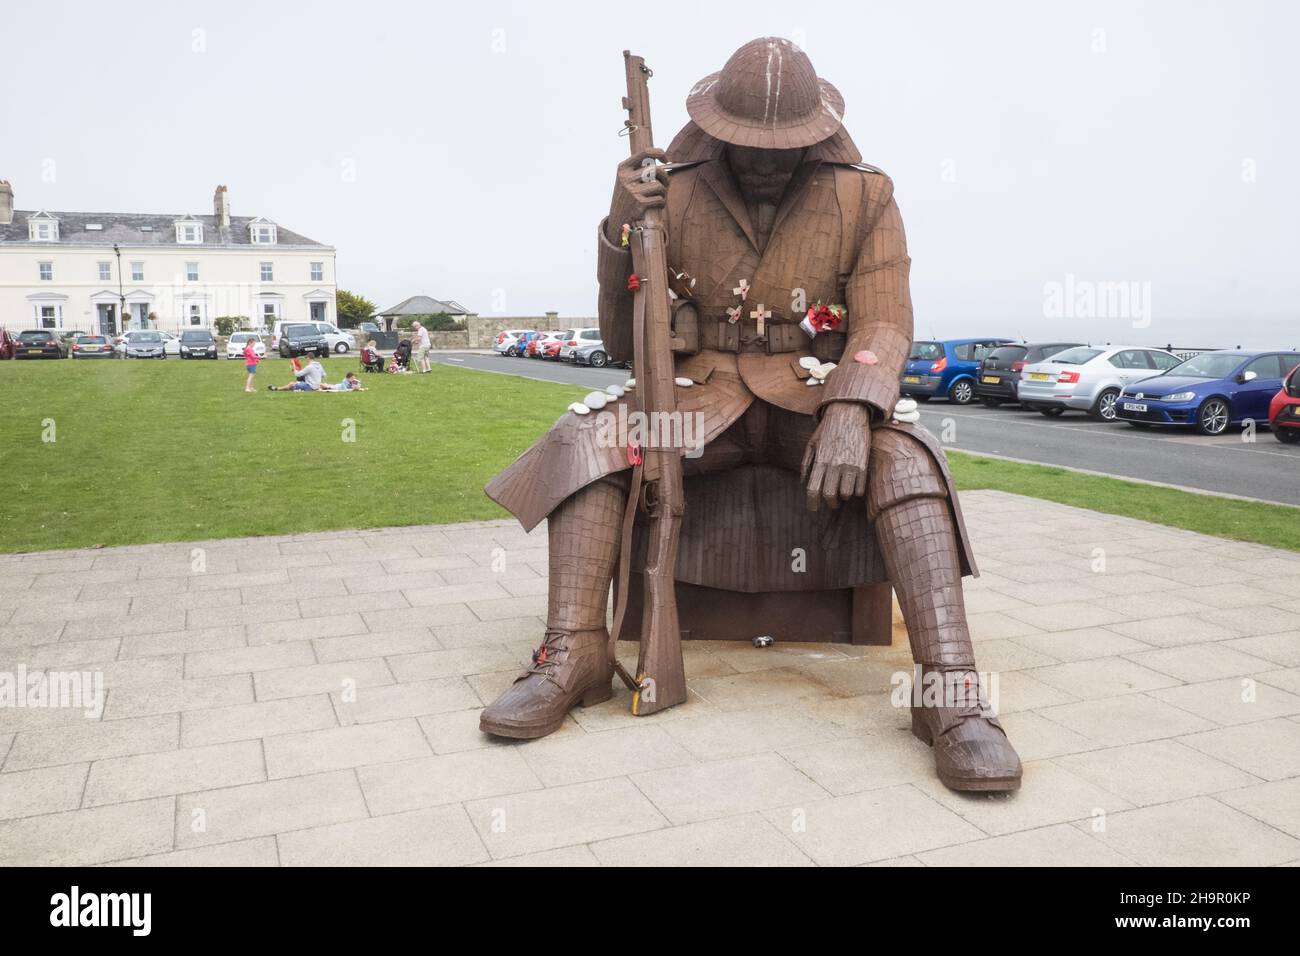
x=176, y=451
x=150, y=451
x=1276, y=525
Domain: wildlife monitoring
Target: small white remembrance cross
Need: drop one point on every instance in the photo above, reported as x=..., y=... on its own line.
x=733, y=314
x=761, y=315
x=742, y=290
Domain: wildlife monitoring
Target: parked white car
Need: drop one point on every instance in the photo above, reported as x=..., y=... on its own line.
x=340, y=340
x=581, y=338
x=1089, y=378
x=237, y=341
x=171, y=343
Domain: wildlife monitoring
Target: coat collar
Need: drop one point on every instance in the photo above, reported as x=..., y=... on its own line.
x=716, y=174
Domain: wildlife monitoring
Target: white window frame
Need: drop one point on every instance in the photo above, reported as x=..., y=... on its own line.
x=262, y=233
x=56, y=317
x=46, y=271
x=43, y=230
x=105, y=271
x=317, y=272
x=193, y=315
x=137, y=272
x=189, y=233
x=270, y=313
x=191, y=272
x=267, y=271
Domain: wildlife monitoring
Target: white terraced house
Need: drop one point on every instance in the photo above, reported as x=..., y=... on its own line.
x=108, y=272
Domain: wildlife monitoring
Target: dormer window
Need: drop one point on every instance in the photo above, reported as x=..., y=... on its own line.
x=189, y=232
x=261, y=232
x=43, y=228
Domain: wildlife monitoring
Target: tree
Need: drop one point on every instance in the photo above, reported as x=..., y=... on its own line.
x=352, y=309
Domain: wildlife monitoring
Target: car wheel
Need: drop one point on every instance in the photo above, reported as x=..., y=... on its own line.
x=961, y=392
x=1287, y=436
x=341, y=348
x=1212, y=417
x=1104, y=408
x=599, y=359
x=991, y=402
x=1051, y=411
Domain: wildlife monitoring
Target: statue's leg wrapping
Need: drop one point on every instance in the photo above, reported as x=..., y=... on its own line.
x=907, y=499
x=919, y=546
x=572, y=664
x=583, y=535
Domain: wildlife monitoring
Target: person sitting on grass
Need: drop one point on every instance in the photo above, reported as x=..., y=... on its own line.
x=309, y=379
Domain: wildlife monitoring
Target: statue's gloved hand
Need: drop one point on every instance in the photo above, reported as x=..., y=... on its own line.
x=835, y=464
x=633, y=194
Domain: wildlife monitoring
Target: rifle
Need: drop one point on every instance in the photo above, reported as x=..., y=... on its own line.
x=657, y=479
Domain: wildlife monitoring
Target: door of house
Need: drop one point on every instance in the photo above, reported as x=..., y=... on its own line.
x=107, y=318
x=318, y=311
x=141, y=315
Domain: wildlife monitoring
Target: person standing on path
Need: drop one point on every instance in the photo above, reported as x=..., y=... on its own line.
x=250, y=361
x=422, y=347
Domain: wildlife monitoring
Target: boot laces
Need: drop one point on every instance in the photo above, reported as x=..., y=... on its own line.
x=547, y=657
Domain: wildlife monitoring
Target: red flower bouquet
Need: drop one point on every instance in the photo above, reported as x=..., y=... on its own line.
x=822, y=318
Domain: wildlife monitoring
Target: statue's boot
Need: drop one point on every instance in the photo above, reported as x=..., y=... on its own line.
x=572, y=664
x=918, y=540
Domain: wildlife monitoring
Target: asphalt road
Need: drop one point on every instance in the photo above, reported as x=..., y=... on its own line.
x=1263, y=468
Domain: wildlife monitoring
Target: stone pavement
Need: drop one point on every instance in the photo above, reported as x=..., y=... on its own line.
x=314, y=700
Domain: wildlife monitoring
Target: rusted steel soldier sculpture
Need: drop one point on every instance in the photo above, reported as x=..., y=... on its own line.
x=765, y=195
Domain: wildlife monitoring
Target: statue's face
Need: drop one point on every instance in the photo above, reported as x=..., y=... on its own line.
x=762, y=174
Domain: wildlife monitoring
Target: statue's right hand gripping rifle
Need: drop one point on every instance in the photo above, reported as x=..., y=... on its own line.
x=657, y=470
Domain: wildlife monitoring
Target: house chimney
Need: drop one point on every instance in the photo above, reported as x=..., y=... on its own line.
x=221, y=207
x=6, y=203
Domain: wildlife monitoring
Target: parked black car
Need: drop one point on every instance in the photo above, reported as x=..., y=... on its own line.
x=302, y=339
x=39, y=343
x=998, y=379
x=198, y=344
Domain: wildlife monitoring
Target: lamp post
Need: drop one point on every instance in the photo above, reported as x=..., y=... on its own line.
x=121, y=296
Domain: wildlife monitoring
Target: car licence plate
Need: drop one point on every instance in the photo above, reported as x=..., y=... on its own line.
x=1039, y=377
x=912, y=379
x=1135, y=406
x=991, y=380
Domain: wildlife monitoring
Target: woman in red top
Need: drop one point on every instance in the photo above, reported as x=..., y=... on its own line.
x=250, y=361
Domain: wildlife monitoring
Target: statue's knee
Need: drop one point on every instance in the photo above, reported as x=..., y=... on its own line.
x=901, y=469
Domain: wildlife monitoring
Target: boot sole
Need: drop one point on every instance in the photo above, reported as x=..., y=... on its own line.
x=975, y=784
x=596, y=694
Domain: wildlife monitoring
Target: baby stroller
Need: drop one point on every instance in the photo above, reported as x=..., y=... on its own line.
x=402, y=356
x=371, y=360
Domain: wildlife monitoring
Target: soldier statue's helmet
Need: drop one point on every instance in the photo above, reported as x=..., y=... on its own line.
x=769, y=96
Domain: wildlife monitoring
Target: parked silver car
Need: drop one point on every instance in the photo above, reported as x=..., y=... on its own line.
x=143, y=343
x=1089, y=378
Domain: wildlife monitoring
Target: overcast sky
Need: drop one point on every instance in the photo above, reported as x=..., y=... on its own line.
x=466, y=150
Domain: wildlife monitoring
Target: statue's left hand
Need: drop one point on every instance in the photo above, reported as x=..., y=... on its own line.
x=835, y=464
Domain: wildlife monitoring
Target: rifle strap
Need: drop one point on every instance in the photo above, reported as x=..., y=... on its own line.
x=623, y=580
x=639, y=366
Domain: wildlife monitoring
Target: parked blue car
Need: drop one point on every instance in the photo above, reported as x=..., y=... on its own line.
x=1208, y=392
x=946, y=369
